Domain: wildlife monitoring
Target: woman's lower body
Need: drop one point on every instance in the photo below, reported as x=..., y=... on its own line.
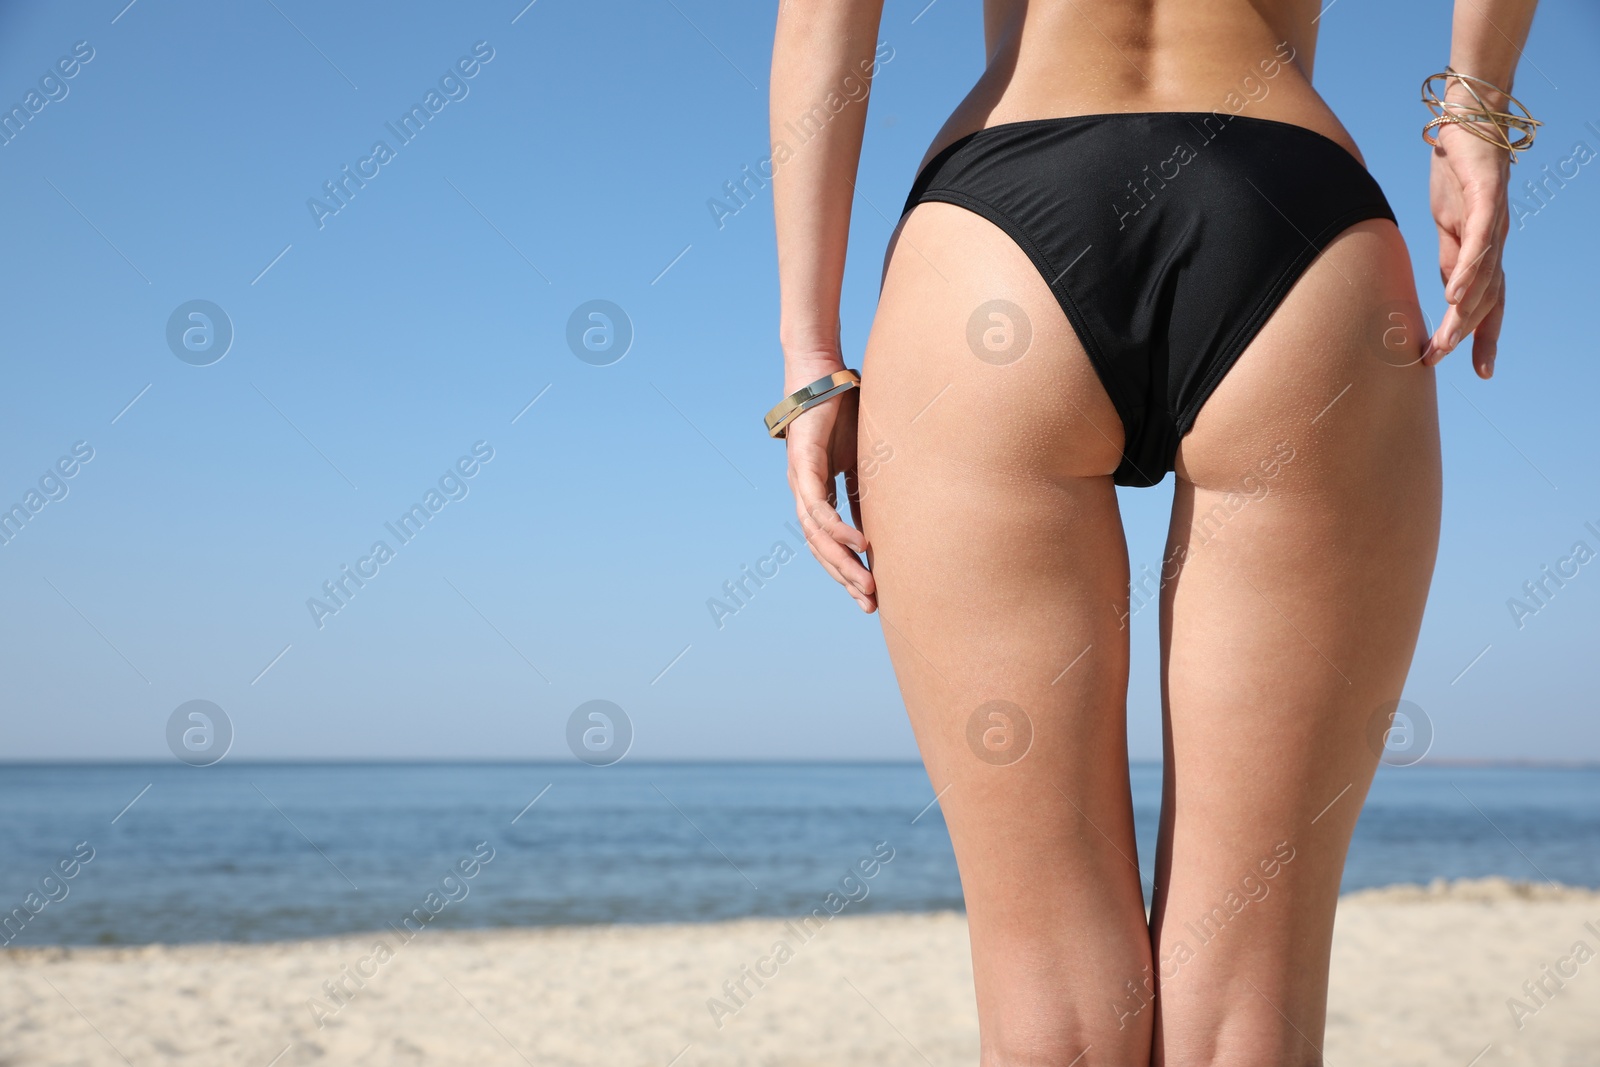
x=999, y=407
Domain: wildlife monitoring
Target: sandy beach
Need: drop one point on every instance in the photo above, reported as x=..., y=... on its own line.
x=1421, y=975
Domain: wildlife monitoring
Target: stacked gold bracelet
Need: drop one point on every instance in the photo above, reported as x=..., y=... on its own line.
x=1478, y=119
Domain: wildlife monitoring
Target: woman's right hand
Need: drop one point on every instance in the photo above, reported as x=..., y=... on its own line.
x=1468, y=187
x=821, y=443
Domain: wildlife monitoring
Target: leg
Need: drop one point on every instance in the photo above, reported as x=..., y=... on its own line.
x=1305, y=524
x=998, y=556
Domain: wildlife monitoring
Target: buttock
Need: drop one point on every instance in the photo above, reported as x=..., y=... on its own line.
x=1167, y=238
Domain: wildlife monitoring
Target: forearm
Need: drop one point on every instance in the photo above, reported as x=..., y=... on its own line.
x=822, y=62
x=1486, y=40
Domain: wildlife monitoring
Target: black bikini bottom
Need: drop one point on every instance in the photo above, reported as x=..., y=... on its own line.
x=1167, y=237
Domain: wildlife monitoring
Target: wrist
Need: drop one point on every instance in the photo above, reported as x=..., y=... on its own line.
x=801, y=369
x=1494, y=88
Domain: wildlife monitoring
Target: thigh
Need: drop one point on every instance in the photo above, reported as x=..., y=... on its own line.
x=1001, y=569
x=1304, y=529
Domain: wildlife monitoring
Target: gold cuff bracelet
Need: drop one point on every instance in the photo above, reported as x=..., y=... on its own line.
x=779, y=418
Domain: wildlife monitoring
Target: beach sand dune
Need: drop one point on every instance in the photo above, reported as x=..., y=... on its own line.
x=1421, y=975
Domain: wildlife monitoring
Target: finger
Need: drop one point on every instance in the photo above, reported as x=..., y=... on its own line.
x=846, y=451
x=1444, y=339
x=867, y=601
x=1463, y=318
x=1484, y=286
x=818, y=499
x=1449, y=254
x=816, y=543
x=852, y=492
x=811, y=475
x=1473, y=261
x=1457, y=326
x=1435, y=348
x=1486, y=340
x=1480, y=302
x=832, y=540
x=835, y=554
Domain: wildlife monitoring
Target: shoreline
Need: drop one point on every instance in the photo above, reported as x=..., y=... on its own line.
x=1489, y=889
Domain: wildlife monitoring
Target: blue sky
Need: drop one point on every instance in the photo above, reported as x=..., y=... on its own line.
x=374, y=347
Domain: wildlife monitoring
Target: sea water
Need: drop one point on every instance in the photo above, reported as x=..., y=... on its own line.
x=271, y=851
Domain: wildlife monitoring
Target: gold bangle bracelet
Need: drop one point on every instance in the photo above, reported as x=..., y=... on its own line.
x=784, y=412
x=1477, y=117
